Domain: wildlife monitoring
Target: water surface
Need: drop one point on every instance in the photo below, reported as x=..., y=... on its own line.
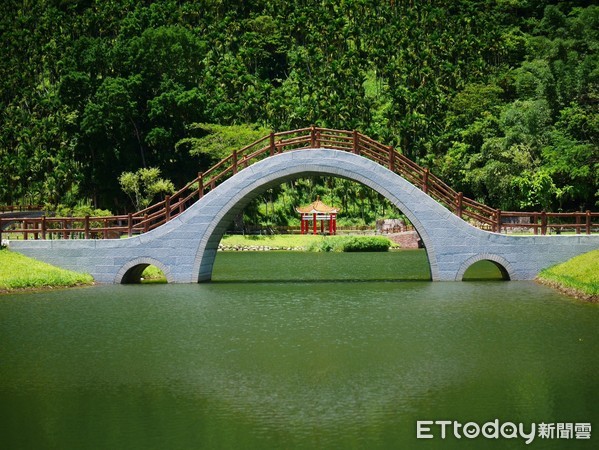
x=294, y=350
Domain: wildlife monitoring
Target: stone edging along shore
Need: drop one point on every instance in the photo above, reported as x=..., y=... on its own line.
x=571, y=292
x=256, y=248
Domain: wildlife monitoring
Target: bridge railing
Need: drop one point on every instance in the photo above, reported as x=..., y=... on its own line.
x=171, y=206
x=543, y=222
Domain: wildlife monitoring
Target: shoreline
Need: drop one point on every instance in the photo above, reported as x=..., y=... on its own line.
x=577, y=277
x=569, y=291
x=19, y=273
x=258, y=248
x=35, y=289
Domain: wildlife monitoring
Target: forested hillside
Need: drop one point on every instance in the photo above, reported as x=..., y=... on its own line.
x=499, y=98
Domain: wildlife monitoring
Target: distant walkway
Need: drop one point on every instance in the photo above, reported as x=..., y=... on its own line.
x=10, y=218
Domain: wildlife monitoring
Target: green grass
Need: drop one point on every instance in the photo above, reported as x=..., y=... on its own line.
x=295, y=241
x=579, y=274
x=20, y=272
x=153, y=275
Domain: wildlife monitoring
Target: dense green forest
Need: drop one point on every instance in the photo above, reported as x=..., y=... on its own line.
x=499, y=98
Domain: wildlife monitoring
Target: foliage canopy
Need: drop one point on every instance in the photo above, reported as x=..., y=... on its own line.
x=499, y=98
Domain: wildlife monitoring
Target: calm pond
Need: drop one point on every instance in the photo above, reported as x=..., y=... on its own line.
x=289, y=350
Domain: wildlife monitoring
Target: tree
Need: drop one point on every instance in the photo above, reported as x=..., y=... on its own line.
x=144, y=185
x=214, y=142
x=89, y=86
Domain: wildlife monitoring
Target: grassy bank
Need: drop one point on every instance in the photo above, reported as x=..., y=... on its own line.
x=20, y=272
x=154, y=275
x=306, y=242
x=578, y=276
x=275, y=241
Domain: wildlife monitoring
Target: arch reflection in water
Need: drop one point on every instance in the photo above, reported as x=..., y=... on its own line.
x=290, y=266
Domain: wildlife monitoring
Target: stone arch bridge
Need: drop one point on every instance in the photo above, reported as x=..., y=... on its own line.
x=184, y=247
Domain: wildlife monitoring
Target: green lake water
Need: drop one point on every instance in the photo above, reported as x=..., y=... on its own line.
x=288, y=350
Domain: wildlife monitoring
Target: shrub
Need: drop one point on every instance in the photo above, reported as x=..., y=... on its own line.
x=366, y=244
x=351, y=244
x=325, y=245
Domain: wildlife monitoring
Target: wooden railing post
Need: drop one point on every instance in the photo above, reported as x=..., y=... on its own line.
x=391, y=159
x=25, y=233
x=44, y=227
x=86, y=227
x=588, y=222
x=64, y=227
x=312, y=136
x=234, y=162
x=129, y=224
x=167, y=207
x=543, y=222
x=356, y=142
x=425, y=181
x=271, y=143
x=498, y=220
x=200, y=185
x=459, y=202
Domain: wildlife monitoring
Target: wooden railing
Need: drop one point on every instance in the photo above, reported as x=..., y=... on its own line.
x=159, y=213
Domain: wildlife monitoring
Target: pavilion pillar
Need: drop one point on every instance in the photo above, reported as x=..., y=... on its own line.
x=322, y=226
x=315, y=230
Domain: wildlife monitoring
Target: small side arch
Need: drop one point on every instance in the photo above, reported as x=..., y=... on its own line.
x=507, y=272
x=131, y=272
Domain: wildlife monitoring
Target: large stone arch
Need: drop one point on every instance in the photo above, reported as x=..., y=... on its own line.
x=238, y=191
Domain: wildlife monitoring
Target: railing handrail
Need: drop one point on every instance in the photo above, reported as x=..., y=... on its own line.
x=303, y=138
